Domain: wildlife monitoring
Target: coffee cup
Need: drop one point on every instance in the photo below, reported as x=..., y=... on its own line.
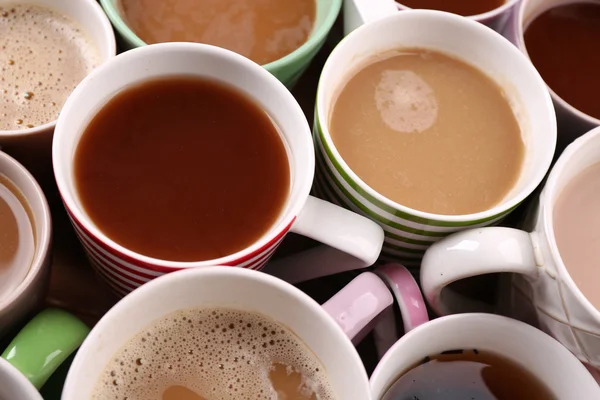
x=287, y=69
x=37, y=351
x=26, y=285
x=326, y=330
x=572, y=122
x=33, y=146
x=302, y=214
x=540, y=288
x=409, y=232
x=356, y=12
x=559, y=371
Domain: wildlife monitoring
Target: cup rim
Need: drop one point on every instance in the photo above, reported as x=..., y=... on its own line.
x=44, y=227
x=95, y=8
x=269, y=238
x=13, y=374
x=476, y=319
x=477, y=17
x=481, y=30
x=521, y=45
x=317, y=35
x=548, y=201
x=166, y=283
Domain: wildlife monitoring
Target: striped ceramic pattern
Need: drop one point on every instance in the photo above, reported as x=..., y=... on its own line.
x=124, y=274
x=406, y=236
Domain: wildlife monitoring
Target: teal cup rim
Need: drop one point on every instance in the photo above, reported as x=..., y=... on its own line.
x=319, y=33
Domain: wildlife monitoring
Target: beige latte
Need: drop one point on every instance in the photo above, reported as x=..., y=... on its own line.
x=428, y=131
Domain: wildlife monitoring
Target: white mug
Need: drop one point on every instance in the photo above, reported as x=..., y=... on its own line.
x=326, y=330
x=557, y=369
x=357, y=12
x=540, y=287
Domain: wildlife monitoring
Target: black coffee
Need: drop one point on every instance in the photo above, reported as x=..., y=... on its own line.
x=468, y=375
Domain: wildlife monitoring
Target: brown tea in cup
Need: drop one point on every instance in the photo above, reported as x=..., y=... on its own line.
x=262, y=30
x=461, y=7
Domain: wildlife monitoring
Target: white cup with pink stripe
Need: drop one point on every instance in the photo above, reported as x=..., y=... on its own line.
x=124, y=269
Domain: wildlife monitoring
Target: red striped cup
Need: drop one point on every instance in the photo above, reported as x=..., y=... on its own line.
x=124, y=269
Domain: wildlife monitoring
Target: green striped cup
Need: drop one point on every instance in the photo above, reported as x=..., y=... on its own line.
x=409, y=232
x=287, y=69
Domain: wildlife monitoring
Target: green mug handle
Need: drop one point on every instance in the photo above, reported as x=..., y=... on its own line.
x=45, y=343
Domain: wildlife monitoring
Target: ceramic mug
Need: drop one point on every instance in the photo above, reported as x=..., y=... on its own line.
x=540, y=278
x=409, y=232
x=572, y=123
x=357, y=11
x=287, y=69
x=37, y=351
x=303, y=214
x=326, y=330
x=560, y=372
x=23, y=296
x=33, y=146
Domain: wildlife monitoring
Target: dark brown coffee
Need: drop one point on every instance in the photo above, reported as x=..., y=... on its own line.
x=262, y=30
x=468, y=375
x=460, y=7
x=563, y=45
x=182, y=169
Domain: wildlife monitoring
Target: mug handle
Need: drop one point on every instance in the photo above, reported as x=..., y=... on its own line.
x=44, y=344
x=360, y=12
x=471, y=253
x=353, y=242
x=360, y=305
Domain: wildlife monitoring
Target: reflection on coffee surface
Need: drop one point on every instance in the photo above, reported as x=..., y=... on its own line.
x=468, y=375
x=576, y=221
x=262, y=30
x=428, y=131
x=16, y=236
x=182, y=169
x=43, y=56
x=563, y=45
x=460, y=7
x=214, y=354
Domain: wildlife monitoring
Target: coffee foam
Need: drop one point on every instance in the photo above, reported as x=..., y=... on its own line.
x=220, y=354
x=43, y=56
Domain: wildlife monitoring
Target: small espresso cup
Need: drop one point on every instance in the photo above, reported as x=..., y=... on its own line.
x=572, y=123
x=27, y=294
x=358, y=11
x=557, y=369
x=326, y=330
x=409, y=232
x=125, y=270
x=33, y=146
x=287, y=69
x=540, y=283
x=37, y=351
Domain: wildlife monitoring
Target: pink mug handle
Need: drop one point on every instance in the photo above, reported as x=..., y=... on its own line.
x=410, y=300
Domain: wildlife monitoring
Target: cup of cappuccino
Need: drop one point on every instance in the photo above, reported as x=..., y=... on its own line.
x=47, y=48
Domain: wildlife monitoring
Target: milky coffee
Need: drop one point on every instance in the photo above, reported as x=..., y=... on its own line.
x=214, y=354
x=43, y=56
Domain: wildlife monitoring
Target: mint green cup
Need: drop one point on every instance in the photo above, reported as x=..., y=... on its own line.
x=287, y=69
x=37, y=351
x=409, y=232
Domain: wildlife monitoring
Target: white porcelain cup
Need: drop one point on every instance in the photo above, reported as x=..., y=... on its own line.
x=560, y=372
x=540, y=289
x=327, y=330
x=28, y=293
x=123, y=269
x=33, y=146
x=408, y=232
x=357, y=12
x=572, y=123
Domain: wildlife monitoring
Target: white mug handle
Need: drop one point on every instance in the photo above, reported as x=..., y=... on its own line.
x=353, y=242
x=471, y=253
x=360, y=12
